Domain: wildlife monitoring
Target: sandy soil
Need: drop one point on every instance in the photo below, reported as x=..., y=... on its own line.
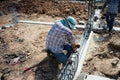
x=27, y=41
x=103, y=58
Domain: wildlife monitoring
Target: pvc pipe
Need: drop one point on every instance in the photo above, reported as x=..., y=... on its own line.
x=101, y=29
x=117, y=29
x=72, y=1
x=35, y=22
x=46, y=23
x=51, y=23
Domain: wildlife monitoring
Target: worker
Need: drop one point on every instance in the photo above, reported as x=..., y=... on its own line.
x=60, y=38
x=111, y=13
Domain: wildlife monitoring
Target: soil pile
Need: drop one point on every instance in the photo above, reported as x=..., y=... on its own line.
x=49, y=7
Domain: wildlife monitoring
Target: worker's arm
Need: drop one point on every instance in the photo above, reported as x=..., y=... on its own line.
x=75, y=47
x=72, y=42
x=104, y=6
x=70, y=38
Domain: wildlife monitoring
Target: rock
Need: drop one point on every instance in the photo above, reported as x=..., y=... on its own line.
x=114, y=45
x=115, y=62
x=3, y=27
x=9, y=56
x=1, y=13
x=78, y=13
x=17, y=39
x=117, y=54
x=67, y=10
x=81, y=22
x=5, y=71
x=111, y=52
x=86, y=10
x=107, y=68
x=89, y=57
x=84, y=63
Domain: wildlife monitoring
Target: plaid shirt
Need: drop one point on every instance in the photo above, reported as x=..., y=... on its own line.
x=58, y=36
x=112, y=6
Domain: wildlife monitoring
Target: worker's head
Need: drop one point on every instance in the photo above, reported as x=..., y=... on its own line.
x=69, y=22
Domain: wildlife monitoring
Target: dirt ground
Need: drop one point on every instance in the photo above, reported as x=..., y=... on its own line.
x=48, y=7
x=27, y=41
x=103, y=57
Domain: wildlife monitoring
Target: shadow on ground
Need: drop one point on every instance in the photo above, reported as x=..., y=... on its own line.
x=102, y=37
x=47, y=69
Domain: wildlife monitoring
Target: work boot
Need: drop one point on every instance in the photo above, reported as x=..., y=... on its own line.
x=110, y=33
x=105, y=28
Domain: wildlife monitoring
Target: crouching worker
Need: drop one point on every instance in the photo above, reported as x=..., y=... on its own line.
x=60, y=37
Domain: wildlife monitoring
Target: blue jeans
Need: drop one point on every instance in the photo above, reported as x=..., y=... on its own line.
x=61, y=57
x=110, y=19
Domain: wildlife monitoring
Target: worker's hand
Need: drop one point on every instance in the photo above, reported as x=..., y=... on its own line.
x=75, y=47
x=102, y=12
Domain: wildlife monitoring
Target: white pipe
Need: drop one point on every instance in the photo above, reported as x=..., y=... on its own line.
x=35, y=22
x=114, y=28
x=117, y=29
x=51, y=23
x=46, y=23
x=73, y=1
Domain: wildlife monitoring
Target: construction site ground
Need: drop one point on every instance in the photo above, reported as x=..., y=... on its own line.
x=103, y=56
x=27, y=42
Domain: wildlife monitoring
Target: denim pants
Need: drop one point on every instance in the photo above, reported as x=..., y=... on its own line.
x=61, y=57
x=110, y=19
